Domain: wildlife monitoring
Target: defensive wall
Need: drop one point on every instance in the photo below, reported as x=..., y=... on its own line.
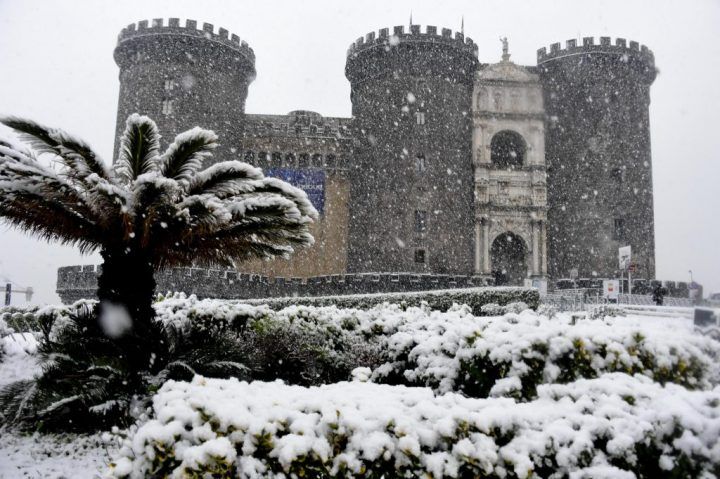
x=80, y=282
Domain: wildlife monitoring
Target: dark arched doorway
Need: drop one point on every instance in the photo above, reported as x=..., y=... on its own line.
x=507, y=149
x=508, y=255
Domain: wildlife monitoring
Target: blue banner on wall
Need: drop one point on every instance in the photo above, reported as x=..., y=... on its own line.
x=310, y=181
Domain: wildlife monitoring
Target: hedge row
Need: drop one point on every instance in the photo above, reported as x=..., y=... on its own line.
x=440, y=300
x=512, y=355
x=507, y=355
x=614, y=426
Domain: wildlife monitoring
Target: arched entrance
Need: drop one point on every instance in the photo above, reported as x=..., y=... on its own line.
x=508, y=259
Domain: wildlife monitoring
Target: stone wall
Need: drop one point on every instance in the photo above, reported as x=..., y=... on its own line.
x=80, y=282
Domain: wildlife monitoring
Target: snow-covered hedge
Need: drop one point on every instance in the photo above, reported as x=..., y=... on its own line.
x=507, y=355
x=41, y=318
x=440, y=300
x=512, y=354
x=611, y=427
x=19, y=319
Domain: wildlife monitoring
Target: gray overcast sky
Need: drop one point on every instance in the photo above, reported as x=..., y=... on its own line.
x=56, y=66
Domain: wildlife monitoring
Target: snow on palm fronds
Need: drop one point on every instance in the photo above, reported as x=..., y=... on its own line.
x=161, y=202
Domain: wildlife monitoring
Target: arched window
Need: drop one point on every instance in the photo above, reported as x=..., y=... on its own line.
x=290, y=160
x=507, y=149
x=304, y=160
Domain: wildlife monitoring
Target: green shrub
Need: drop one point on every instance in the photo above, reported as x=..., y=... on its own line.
x=440, y=300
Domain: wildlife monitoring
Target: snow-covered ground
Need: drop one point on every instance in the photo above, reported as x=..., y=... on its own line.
x=39, y=455
x=49, y=456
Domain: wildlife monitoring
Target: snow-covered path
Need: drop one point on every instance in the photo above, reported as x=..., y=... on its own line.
x=39, y=455
x=52, y=457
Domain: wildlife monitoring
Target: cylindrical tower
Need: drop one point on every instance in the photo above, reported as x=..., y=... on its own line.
x=183, y=77
x=599, y=175
x=411, y=206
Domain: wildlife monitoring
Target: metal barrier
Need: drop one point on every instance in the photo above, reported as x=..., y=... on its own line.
x=586, y=299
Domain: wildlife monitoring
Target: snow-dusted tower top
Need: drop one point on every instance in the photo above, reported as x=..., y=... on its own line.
x=182, y=77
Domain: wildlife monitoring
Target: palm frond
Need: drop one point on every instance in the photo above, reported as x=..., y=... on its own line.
x=224, y=179
x=17, y=399
x=36, y=199
x=154, y=201
x=37, y=136
x=76, y=154
x=185, y=156
x=296, y=195
x=139, y=147
x=87, y=161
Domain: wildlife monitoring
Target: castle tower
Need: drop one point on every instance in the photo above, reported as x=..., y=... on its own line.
x=411, y=207
x=510, y=184
x=600, y=194
x=183, y=77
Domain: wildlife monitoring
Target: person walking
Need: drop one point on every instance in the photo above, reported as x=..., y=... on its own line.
x=658, y=294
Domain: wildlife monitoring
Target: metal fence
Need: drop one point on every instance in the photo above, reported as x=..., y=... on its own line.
x=584, y=300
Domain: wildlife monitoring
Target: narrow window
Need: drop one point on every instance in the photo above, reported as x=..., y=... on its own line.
x=420, y=256
x=420, y=117
x=420, y=163
x=169, y=85
x=250, y=156
x=617, y=175
x=619, y=229
x=420, y=221
x=330, y=161
x=167, y=107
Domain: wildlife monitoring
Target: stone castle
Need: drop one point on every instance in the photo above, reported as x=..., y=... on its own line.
x=448, y=167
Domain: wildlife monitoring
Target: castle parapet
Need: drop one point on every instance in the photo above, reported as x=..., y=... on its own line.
x=159, y=27
x=385, y=39
x=604, y=45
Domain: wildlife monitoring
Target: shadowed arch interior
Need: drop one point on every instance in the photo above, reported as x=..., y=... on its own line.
x=507, y=149
x=508, y=256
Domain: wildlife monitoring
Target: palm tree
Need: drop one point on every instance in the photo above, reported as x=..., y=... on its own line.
x=151, y=210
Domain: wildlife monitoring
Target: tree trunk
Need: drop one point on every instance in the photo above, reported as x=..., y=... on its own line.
x=127, y=280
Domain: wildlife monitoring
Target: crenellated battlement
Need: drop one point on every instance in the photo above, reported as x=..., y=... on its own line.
x=158, y=26
x=603, y=46
x=386, y=38
x=78, y=282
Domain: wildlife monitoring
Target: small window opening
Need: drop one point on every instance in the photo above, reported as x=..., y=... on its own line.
x=420, y=163
x=420, y=256
x=167, y=107
x=420, y=221
x=619, y=229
